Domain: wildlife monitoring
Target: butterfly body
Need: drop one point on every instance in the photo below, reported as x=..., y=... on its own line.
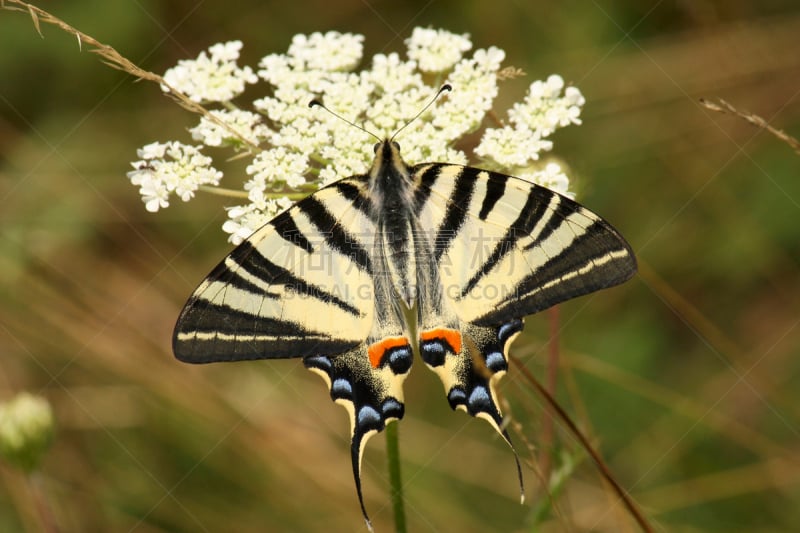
x=434, y=261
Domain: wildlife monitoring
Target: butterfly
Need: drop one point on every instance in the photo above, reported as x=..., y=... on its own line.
x=434, y=261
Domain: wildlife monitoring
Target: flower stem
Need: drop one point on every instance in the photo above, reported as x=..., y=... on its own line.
x=221, y=191
x=396, y=484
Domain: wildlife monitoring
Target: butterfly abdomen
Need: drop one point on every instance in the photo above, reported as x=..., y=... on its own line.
x=392, y=192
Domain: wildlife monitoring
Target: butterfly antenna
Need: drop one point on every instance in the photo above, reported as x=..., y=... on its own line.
x=317, y=103
x=446, y=88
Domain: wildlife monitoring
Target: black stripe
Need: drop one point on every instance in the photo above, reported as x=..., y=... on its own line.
x=495, y=188
x=211, y=351
x=354, y=193
x=594, y=245
x=290, y=340
x=335, y=235
x=457, y=207
x=286, y=227
x=536, y=206
x=223, y=274
x=564, y=209
x=251, y=260
x=203, y=316
x=534, y=209
x=425, y=182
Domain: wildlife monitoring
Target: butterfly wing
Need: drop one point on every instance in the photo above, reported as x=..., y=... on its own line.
x=505, y=248
x=372, y=395
x=257, y=303
x=304, y=285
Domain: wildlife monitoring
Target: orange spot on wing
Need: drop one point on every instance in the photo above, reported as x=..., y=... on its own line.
x=376, y=350
x=450, y=336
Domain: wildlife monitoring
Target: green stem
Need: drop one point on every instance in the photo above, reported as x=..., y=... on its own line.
x=233, y=193
x=396, y=484
x=222, y=191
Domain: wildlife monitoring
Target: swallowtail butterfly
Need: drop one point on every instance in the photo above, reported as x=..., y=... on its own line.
x=435, y=261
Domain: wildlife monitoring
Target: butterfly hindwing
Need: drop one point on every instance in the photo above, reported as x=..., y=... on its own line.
x=470, y=375
x=369, y=387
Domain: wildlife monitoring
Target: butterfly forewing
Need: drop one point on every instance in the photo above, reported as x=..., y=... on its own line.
x=301, y=285
x=508, y=248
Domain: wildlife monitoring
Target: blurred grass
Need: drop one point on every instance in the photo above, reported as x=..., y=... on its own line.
x=685, y=377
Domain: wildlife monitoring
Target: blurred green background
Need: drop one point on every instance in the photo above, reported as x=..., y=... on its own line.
x=686, y=377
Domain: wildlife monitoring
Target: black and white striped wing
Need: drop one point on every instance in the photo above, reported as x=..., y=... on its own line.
x=303, y=286
x=508, y=248
x=299, y=286
x=505, y=248
x=492, y=249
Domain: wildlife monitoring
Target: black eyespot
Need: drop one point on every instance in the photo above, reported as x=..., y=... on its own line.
x=375, y=148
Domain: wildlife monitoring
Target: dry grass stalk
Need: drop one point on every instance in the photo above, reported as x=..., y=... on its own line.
x=117, y=61
x=725, y=107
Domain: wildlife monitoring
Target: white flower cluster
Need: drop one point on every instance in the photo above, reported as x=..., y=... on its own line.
x=243, y=220
x=166, y=168
x=270, y=169
x=551, y=176
x=436, y=50
x=543, y=111
x=212, y=77
x=247, y=125
x=304, y=148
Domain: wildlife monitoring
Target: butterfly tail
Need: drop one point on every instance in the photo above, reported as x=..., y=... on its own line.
x=470, y=365
x=370, y=391
x=356, y=451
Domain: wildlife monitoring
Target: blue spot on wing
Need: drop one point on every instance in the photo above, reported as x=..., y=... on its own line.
x=341, y=388
x=392, y=408
x=319, y=361
x=369, y=418
x=496, y=362
x=479, y=400
x=400, y=360
x=456, y=397
x=508, y=329
x=433, y=353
